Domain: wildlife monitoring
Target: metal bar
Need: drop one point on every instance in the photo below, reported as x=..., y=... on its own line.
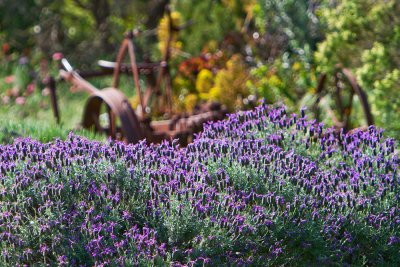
x=51, y=85
x=107, y=70
x=120, y=56
x=320, y=88
x=346, y=122
x=111, y=123
x=78, y=82
x=361, y=94
x=339, y=97
x=109, y=65
x=132, y=57
x=72, y=76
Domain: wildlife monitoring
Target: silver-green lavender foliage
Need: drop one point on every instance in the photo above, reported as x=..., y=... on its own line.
x=260, y=188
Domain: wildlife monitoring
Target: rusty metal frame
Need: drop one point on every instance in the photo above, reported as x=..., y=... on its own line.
x=133, y=127
x=127, y=44
x=344, y=121
x=118, y=106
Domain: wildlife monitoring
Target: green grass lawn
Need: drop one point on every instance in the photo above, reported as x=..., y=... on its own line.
x=35, y=117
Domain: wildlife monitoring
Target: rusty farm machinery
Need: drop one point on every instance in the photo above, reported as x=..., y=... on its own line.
x=131, y=126
x=123, y=122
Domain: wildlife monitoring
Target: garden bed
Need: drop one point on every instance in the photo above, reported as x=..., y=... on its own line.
x=261, y=188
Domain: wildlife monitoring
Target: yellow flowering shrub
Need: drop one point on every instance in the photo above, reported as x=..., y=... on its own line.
x=204, y=81
x=163, y=33
x=190, y=101
x=229, y=88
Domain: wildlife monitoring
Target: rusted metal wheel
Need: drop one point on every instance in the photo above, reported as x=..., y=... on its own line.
x=122, y=121
x=343, y=76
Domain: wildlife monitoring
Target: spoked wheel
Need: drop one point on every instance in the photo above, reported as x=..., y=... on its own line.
x=345, y=88
x=108, y=112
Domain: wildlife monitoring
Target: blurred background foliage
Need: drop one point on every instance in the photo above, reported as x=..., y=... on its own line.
x=232, y=51
x=365, y=37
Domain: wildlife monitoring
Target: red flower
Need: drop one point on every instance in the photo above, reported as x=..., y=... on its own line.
x=9, y=79
x=57, y=56
x=6, y=48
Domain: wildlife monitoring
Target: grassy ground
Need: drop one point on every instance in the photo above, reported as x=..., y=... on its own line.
x=35, y=117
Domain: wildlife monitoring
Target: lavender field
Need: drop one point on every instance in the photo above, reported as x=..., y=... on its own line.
x=261, y=188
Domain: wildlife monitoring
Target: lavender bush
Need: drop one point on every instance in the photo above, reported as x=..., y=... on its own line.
x=261, y=188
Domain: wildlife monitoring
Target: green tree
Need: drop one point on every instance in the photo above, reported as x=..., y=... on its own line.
x=210, y=22
x=364, y=35
x=17, y=21
x=83, y=30
x=285, y=37
x=286, y=26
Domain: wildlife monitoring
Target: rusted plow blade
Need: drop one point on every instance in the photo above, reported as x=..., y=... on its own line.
x=118, y=108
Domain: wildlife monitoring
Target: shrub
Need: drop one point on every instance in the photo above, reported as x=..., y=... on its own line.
x=262, y=187
x=364, y=36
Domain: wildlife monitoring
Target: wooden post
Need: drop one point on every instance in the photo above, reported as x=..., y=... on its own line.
x=51, y=85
